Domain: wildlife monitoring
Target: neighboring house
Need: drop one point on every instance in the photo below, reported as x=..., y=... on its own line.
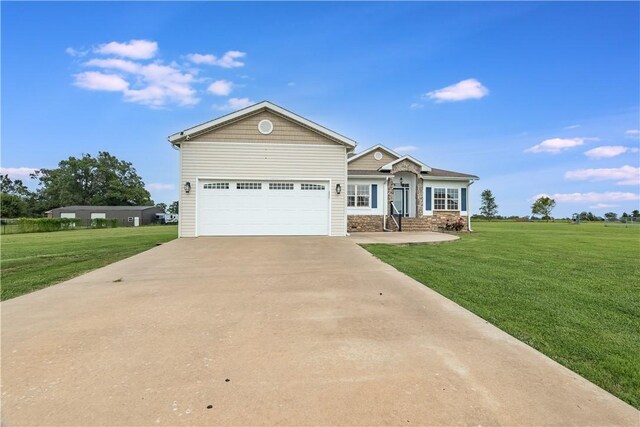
x=126, y=215
x=264, y=170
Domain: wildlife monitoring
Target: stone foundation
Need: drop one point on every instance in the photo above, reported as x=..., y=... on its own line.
x=364, y=223
x=435, y=222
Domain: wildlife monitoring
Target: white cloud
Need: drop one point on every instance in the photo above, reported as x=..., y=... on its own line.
x=220, y=87
x=461, y=91
x=155, y=84
x=18, y=173
x=603, y=206
x=609, y=196
x=607, y=151
x=93, y=80
x=135, y=49
x=236, y=104
x=416, y=106
x=75, y=52
x=157, y=186
x=633, y=132
x=198, y=58
x=229, y=60
x=556, y=145
x=115, y=64
x=405, y=148
x=572, y=127
x=625, y=175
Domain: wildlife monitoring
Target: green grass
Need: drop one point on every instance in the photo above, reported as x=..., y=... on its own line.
x=36, y=260
x=570, y=291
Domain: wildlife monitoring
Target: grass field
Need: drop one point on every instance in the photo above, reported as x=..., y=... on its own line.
x=36, y=260
x=570, y=291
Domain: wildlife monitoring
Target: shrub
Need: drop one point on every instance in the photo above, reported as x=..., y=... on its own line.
x=104, y=223
x=456, y=226
x=39, y=225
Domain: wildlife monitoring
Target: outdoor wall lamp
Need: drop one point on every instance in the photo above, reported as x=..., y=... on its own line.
x=338, y=189
x=187, y=187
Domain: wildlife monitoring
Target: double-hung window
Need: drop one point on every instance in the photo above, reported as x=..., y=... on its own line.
x=446, y=199
x=358, y=196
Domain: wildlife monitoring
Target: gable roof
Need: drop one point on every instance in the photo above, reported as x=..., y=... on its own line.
x=388, y=166
x=186, y=134
x=441, y=173
x=370, y=149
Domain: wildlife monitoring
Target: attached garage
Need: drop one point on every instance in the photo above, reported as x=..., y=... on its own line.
x=262, y=171
x=255, y=207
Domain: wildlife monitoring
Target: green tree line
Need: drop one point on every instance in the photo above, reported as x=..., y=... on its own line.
x=85, y=180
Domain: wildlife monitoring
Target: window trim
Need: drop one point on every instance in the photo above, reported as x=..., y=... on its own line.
x=355, y=196
x=446, y=199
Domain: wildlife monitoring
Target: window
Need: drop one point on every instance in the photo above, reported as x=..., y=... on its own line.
x=452, y=199
x=130, y=219
x=216, y=186
x=445, y=199
x=358, y=195
x=311, y=187
x=249, y=186
x=280, y=186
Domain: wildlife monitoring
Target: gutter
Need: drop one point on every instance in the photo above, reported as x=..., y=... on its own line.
x=469, y=206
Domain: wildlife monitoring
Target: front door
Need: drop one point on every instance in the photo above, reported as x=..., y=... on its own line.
x=401, y=199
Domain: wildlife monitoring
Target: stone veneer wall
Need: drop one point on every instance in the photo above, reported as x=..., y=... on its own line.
x=365, y=223
x=436, y=222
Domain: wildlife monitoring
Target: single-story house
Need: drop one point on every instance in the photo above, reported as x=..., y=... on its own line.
x=264, y=170
x=126, y=215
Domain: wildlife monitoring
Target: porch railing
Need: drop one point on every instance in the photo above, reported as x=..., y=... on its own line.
x=395, y=213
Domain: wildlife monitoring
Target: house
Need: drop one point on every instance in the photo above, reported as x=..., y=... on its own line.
x=132, y=216
x=264, y=170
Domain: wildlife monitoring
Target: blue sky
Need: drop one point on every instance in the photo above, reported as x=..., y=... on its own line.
x=535, y=98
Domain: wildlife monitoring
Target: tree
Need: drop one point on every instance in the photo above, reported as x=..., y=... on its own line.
x=611, y=216
x=15, y=198
x=173, y=208
x=162, y=206
x=635, y=214
x=488, y=208
x=543, y=206
x=101, y=180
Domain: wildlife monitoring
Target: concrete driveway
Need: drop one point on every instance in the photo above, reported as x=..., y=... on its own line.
x=289, y=331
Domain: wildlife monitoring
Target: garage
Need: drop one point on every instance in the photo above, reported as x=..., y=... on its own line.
x=262, y=207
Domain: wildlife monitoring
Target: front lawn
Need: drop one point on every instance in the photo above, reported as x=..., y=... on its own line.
x=36, y=260
x=570, y=291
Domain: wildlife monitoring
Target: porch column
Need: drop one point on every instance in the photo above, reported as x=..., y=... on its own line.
x=419, y=196
x=389, y=195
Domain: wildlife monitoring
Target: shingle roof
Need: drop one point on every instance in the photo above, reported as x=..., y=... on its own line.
x=448, y=174
x=105, y=208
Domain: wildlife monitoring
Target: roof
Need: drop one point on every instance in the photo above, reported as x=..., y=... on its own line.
x=427, y=171
x=388, y=166
x=186, y=134
x=441, y=173
x=105, y=208
x=370, y=149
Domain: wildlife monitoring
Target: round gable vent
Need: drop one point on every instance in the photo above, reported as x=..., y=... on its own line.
x=265, y=127
x=377, y=155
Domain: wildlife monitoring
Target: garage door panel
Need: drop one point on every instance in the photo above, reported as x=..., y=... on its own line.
x=271, y=210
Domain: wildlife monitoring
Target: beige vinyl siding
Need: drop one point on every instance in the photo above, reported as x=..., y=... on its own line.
x=246, y=130
x=368, y=162
x=268, y=161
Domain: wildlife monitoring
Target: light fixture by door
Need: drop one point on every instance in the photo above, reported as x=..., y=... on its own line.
x=187, y=187
x=338, y=189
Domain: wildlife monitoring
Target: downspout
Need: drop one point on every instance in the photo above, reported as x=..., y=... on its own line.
x=469, y=206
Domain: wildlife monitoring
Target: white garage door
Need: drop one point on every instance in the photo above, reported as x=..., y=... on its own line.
x=258, y=207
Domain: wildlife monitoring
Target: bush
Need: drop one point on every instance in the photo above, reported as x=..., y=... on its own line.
x=40, y=225
x=104, y=223
x=456, y=226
